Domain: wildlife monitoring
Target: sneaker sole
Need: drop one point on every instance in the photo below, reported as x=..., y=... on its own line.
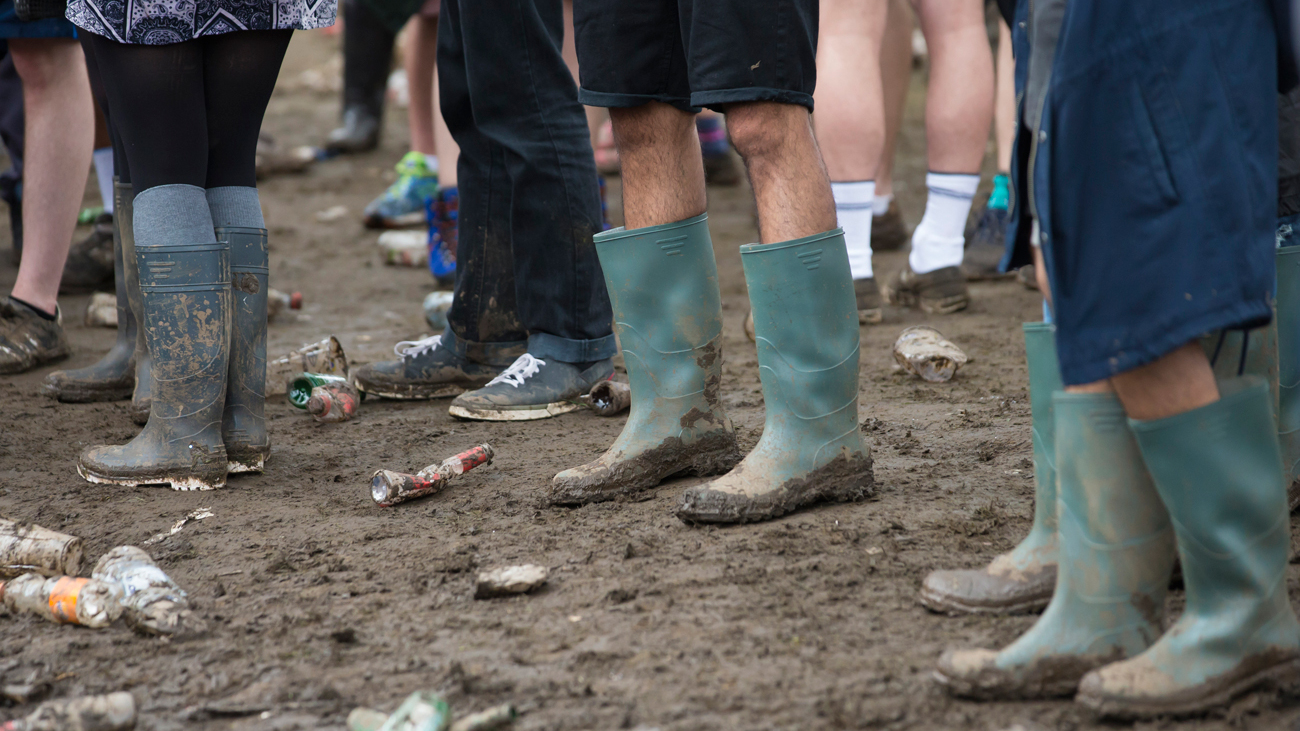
x=414, y=393
x=873, y=316
x=526, y=414
x=180, y=484
x=67, y=395
x=940, y=306
x=408, y=220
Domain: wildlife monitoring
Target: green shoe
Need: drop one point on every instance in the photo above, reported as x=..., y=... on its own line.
x=1116, y=554
x=663, y=284
x=1219, y=471
x=402, y=205
x=1021, y=580
x=806, y=326
x=1288, y=350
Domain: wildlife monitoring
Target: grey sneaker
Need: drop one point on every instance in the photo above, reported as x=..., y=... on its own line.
x=28, y=340
x=424, y=370
x=531, y=388
x=939, y=292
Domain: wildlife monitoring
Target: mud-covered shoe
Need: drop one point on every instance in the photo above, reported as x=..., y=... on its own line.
x=27, y=339
x=359, y=131
x=986, y=245
x=663, y=285
x=939, y=292
x=403, y=204
x=870, y=307
x=531, y=388
x=90, y=261
x=808, y=351
x=888, y=231
x=425, y=369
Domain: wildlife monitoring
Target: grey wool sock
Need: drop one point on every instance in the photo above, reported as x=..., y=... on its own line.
x=235, y=205
x=172, y=214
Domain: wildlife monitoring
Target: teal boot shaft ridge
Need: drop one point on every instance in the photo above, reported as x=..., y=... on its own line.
x=663, y=285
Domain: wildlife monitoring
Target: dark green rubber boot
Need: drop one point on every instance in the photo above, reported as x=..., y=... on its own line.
x=113, y=377
x=243, y=426
x=806, y=329
x=663, y=284
x=1116, y=555
x=1219, y=471
x=1022, y=579
x=1288, y=361
x=185, y=293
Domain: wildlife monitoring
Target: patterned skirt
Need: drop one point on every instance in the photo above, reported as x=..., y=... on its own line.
x=159, y=22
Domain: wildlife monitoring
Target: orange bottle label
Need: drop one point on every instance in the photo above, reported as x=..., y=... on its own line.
x=63, y=598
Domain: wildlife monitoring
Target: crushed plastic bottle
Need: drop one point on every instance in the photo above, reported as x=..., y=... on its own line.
x=436, y=307
x=112, y=712
x=277, y=301
x=63, y=599
x=301, y=386
x=388, y=488
x=334, y=402
x=325, y=357
x=28, y=548
x=151, y=602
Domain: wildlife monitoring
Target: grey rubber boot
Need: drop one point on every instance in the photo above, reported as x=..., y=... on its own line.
x=113, y=377
x=663, y=285
x=806, y=327
x=125, y=206
x=243, y=426
x=185, y=295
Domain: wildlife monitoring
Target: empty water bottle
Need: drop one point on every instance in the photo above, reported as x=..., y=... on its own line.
x=112, y=712
x=63, y=599
x=151, y=602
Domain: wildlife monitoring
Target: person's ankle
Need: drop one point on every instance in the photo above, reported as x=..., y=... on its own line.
x=50, y=314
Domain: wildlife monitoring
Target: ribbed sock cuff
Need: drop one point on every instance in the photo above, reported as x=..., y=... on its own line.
x=235, y=206
x=854, y=209
x=172, y=214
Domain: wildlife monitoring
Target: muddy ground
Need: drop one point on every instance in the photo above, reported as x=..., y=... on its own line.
x=320, y=601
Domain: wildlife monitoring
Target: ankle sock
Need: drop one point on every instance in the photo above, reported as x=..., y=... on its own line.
x=235, y=205
x=103, y=158
x=173, y=214
x=854, y=207
x=939, y=239
x=1001, y=195
x=713, y=137
x=39, y=312
x=880, y=204
x=431, y=162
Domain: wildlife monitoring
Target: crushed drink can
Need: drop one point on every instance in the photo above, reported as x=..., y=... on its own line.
x=276, y=301
x=334, y=402
x=608, y=398
x=325, y=358
x=388, y=488
x=301, y=386
x=436, y=307
x=102, y=311
x=405, y=248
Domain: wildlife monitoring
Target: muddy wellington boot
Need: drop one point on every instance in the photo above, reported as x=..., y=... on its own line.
x=1287, y=321
x=1219, y=471
x=124, y=204
x=243, y=425
x=806, y=328
x=1022, y=579
x=1116, y=555
x=186, y=298
x=113, y=377
x=663, y=284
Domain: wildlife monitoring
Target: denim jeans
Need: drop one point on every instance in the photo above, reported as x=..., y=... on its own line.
x=526, y=267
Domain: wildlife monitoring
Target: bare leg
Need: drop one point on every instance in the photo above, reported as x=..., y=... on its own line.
x=785, y=169
x=444, y=144
x=850, y=117
x=959, y=100
x=663, y=173
x=419, y=57
x=1004, y=101
x=60, y=132
x=896, y=74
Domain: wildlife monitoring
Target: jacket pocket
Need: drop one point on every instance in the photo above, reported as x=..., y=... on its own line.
x=1145, y=131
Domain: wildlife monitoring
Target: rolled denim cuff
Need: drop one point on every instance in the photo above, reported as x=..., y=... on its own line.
x=493, y=354
x=545, y=345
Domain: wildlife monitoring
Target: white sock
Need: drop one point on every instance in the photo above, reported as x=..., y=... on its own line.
x=939, y=239
x=104, y=176
x=853, y=207
x=880, y=204
x=431, y=162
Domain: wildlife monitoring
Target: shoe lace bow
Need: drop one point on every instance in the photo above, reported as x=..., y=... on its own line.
x=415, y=348
x=524, y=367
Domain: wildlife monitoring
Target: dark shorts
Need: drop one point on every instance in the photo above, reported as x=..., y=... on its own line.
x=696, y=53
x=12, y=27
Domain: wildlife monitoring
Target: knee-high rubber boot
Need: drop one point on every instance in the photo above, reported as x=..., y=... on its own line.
x=663, y=285
x=1022, y=579
x=806, y=322
x=243, y=427
x=1116, y=555
x=1219, y=471
x=140, y=396
x=113, y=377
x=185, y=292
x=1288, y=360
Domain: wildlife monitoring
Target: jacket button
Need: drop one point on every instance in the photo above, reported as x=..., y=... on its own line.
x=1042, y=136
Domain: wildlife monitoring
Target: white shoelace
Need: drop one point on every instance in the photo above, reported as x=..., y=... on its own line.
x=524, y=367
x=419, y=347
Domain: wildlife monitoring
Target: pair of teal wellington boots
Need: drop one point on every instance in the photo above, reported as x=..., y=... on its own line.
x=204, y=319
x=663, y=285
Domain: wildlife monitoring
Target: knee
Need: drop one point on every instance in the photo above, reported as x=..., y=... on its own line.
x=762, y=130
x=43, y=63
x=654, y=123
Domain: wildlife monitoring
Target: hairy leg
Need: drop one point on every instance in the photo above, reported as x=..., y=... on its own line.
x=663, y=173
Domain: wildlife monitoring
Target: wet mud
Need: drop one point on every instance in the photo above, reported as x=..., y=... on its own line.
x=317, y=600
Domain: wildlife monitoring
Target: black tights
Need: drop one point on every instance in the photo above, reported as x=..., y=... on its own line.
x=189, y=113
